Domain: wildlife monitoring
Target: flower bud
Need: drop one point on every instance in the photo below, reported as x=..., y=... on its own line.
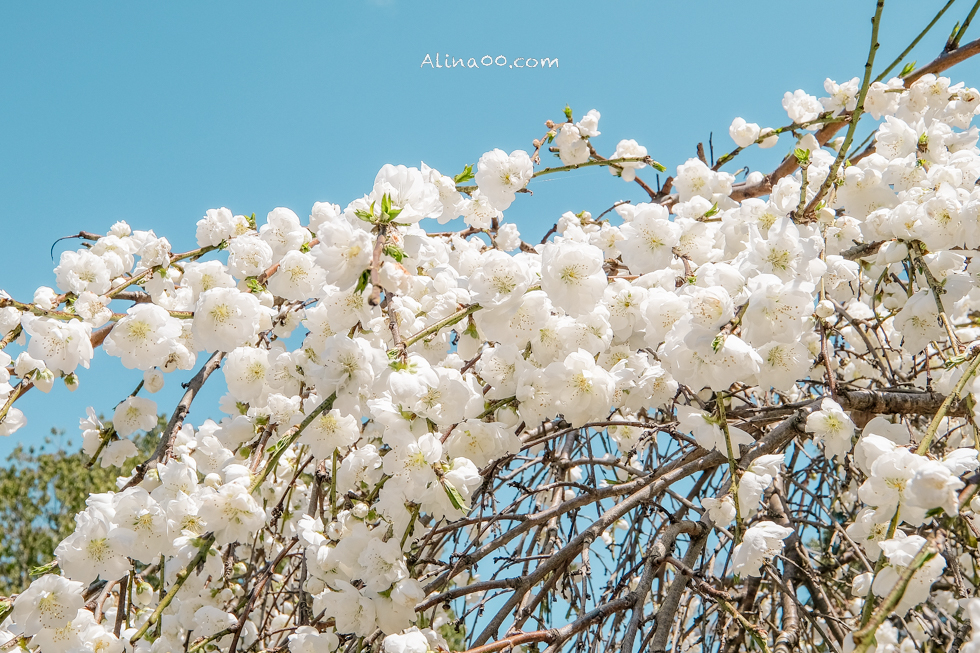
x=824, y=309
x=144, y=593
x=975, y=504
x=153, y=380
x=861, y=584
x=43, y=380
x=769, y=142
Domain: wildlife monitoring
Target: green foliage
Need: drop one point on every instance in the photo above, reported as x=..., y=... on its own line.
x=455, y=497
x=802, y=156
x=41, y=490
x=388, y=214
x=363, y=281
x=395, y=252
x=466, y=175
x=254, y=285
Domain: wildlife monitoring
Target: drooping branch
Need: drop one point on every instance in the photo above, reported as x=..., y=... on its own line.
x=165, y=446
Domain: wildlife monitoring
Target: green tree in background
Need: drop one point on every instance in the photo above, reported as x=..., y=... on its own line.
x=41, y=490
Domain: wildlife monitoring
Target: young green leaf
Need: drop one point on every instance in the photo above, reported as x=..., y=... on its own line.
x=455, y=497
x=394, y=252
x=363, y=281
x=464, y=176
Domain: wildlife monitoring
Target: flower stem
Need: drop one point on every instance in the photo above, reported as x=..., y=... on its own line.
x=289, y=438
x=182, y=576
x=732, y=465
x=864, y=636
x=950, y=398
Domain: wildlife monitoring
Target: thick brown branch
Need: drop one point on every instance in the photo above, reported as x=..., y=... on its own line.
x=944, y=61
x=899, y=403
x=668, y=608
x=826, y=133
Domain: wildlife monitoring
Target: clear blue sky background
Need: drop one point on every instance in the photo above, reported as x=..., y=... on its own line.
x=154, y=112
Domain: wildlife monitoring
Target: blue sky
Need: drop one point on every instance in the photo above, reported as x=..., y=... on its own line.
x=154, y=112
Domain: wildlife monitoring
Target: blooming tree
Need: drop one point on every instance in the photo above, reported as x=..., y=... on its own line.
x=735, y=414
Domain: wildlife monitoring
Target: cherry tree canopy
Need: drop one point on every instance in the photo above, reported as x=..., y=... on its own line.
x=736, y=414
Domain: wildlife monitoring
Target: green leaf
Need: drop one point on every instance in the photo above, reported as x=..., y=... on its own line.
x=254, y=285
x=712, y=211
x=659, y=167
x=386, y=203
x=455, y=497
x=367, y=216
x=396, y=363
x=394, y=252
x=464, y=176
x=280, y=444
x=44, y=569
x=717, y=343
x=363, y=281
x=802, y=156
x=251, y=221
x=952, y=35
x=909, y=67
x=568, y=112
x=955, y=361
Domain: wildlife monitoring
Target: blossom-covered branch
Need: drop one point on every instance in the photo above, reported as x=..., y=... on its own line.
x=700, y=420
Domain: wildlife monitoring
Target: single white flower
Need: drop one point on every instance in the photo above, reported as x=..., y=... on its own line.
x=831, y=426
x=759, y=544
x=500, y=176
x=144, y=338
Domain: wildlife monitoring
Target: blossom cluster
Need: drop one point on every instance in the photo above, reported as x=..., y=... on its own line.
x=377, y=373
